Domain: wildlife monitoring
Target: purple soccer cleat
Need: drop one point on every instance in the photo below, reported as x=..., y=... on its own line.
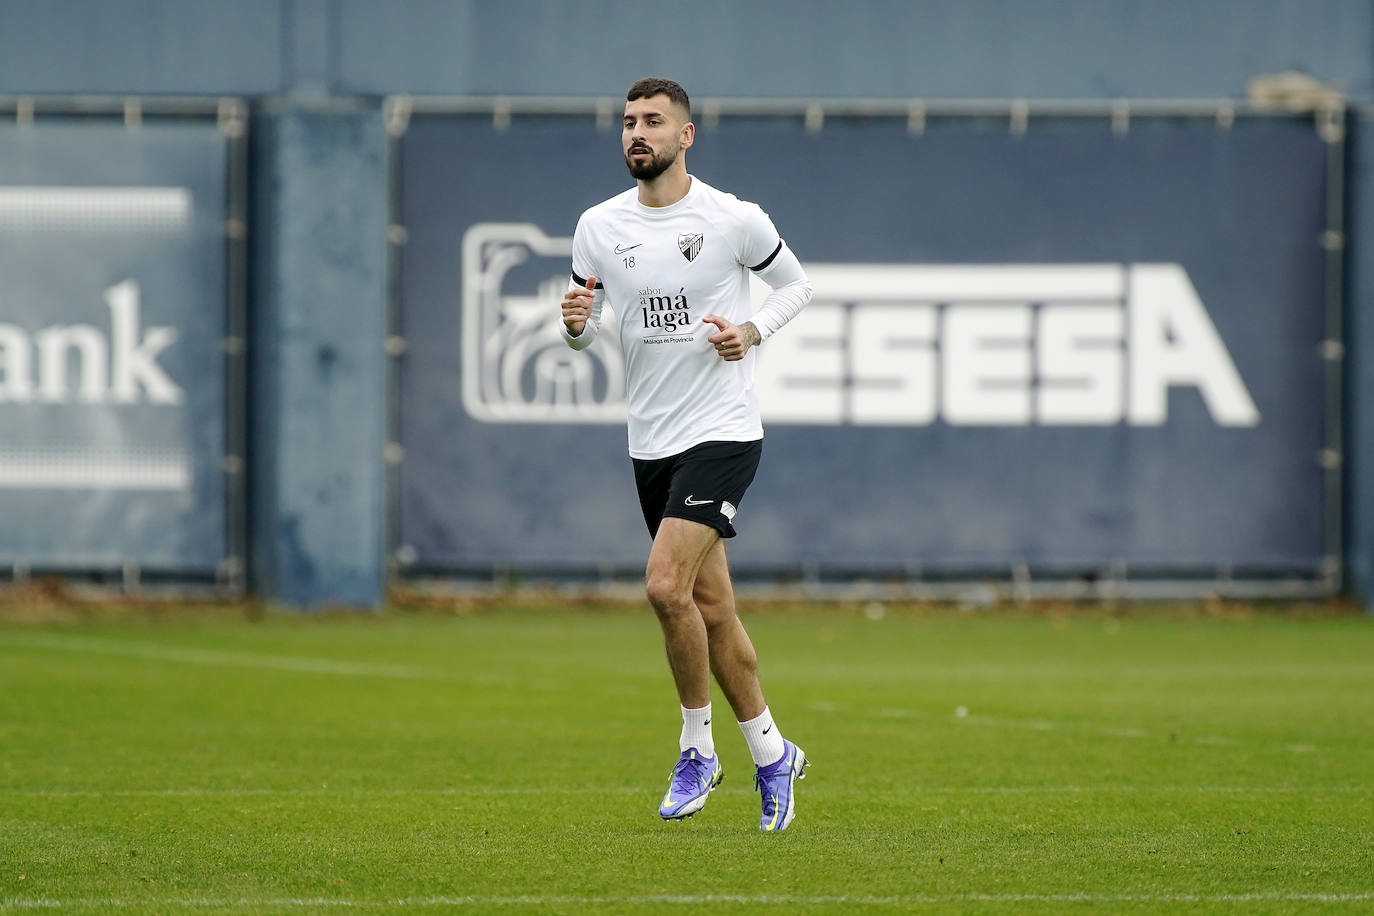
x=693, y=779
x=774, y=783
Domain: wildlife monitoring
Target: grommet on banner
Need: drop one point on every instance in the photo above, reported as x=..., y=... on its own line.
x=710, y=113
x=1021, y=582
x=229, y=117
x=605, y=113
x=915, y=571
x=1111, y=584
x=1331, y=122
x=397, y=110
x=916, y=118
x=1225, y=580
x=130, y=576
x=1121, y=117
x=1330, y=569
x=1020, y=116
x=231, y=572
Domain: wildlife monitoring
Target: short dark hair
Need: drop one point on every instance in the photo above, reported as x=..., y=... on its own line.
x=650, y=86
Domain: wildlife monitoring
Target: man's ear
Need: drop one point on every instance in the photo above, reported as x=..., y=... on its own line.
x=689, y=133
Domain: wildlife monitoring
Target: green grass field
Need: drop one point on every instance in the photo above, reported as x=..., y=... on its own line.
x=511, y=760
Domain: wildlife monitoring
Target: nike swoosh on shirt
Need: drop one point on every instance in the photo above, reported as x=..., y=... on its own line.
x=619, y=250
x=698, y=502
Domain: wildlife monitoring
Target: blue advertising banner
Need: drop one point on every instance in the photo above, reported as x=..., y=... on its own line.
x=1071, y=348
x=112, y=318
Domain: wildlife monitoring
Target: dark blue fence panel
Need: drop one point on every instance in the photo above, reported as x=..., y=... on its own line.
x=1069, y=348
x=112, y=319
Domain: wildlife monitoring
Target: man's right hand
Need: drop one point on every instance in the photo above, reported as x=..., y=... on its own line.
x=577, y=307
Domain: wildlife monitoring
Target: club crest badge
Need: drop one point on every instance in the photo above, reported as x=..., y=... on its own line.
x=689, y=243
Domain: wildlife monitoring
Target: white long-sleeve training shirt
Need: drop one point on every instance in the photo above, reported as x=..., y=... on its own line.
x=661, y=269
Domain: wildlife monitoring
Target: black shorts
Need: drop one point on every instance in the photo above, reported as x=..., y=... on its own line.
x=703, y=484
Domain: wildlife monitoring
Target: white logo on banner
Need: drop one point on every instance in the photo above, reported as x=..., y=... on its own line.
x=87, y=370
x=70, y=364
x=120, y=368
x=516, y=366
x=882, y=345
x=998, y=345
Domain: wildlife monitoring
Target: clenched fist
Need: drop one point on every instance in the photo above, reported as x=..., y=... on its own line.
x=577, y=307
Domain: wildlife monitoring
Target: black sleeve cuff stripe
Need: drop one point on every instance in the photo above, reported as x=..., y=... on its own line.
x=582, y=281
x=768, y=260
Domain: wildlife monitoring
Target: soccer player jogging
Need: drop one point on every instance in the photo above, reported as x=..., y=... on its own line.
x=672, y=257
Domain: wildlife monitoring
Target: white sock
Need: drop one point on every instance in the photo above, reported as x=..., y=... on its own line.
x=696, y=731
x=765, y=740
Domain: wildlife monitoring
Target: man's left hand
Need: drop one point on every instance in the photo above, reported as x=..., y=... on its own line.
x=732, y=340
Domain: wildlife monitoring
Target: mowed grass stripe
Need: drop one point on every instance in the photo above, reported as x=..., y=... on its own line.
x=690, y=900
x=153, y=652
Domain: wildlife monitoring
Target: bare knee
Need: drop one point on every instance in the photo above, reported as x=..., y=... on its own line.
x=668, y=594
